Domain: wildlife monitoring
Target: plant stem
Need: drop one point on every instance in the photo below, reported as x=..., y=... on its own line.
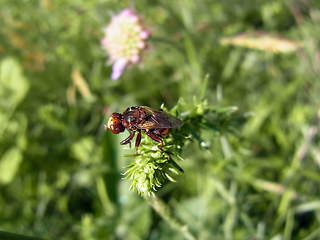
x=15, y=236
x=166, y=213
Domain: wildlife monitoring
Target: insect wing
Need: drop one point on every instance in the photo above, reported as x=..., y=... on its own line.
x=159, y=119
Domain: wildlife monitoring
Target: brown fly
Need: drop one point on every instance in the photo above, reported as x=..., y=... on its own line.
x=155, y=123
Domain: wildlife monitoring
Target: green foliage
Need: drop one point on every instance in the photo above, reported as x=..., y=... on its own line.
x=151, y=166
x=249, y=146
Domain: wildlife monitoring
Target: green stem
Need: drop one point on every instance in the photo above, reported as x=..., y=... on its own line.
x=166, y=213
x=14, y=236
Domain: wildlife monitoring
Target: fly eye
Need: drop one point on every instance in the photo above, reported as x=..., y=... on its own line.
x=114, y=123
x=114, y=129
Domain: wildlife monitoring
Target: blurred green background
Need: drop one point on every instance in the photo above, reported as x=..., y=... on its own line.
x=61, y=172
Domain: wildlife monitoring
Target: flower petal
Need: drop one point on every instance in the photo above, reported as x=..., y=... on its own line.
x=118, y=68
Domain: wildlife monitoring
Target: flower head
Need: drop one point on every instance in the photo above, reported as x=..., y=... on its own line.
x=150, y=169
x=124, y=40
x=152, y=166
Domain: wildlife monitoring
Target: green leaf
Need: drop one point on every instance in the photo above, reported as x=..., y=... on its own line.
x=13, y=84
x=83, y=150
x=9, y=165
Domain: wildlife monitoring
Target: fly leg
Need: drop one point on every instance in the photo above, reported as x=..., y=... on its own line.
x=159, y=140
x=138, y=140
x=128, y=139
x=155, y=138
